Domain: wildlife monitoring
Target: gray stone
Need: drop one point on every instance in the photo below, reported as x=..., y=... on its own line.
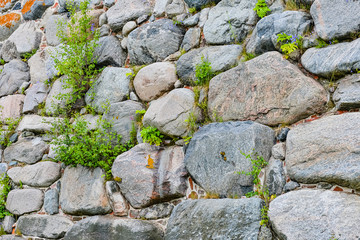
x=347, y=94
x=63, y=4
x=11, y=107
x=109, y=3
x=153, y=42
x=203, y=17
x=27, y=150
x=265, y=233
x=191, y=39
x=24, y=87
x=52, y=29
x=26, y=37
x=34, y=9
x=275, y=177
x=49, y=64
x=192, y=20
x=133, y=97
x=117, y=202
x=174, y=8
x=12, y=76
x=51, y=201
x=3, y=167
x=91, y=120
x=128, y=27
x=325, y=151
x=334, y=60
x=37, y=68
x=278, y=151
x=168, y=113
x=215, y=219
x=103, y=20
x=221, y=58
x=9, y=22
x=9, y=51
x=159, y=8
x=125, y=10
x=324, y=185
x=142, y=19
x=161, y=210
x=267, y=89
x=35, y=123
x=44, y=226
x=107, y=227
x=21, y=201
x=110, y=52
x=124, y=43
x=11, y=237
x=83, y=191
x=198, y=4
x=111, y=87
x=150, y=174
x=41, y=174
x=230, y=21
x=35, y=96
x=214, y=155
x=315, y=214
x=8, y=223
x=122, y=115
x=105, y=30
x=53, y=104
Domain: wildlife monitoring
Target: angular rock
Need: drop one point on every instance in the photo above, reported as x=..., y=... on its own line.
x=278, y=151
x=335, y=160
x=214, y=155
x=128, y=27
x=109, y=52
x=44, y=226
x=28, y=150
x=267, y=89
x=51, y=201
x=41, y=174
x=35, y=123
x=117, y=202
x=21, y=201
x=12, y=76
x=37, y=68
x=215, y=219
x=11, y=106
x=154, y=80
x=153, y=42
x=106, y=227
x=347, y=94
x=315, y=214
x=275, y=178
x=192, y=20
x=191, y=39
x=34, y=9
x=168, y=113
x=53, y=104
x=174, y=8
x=198, y=4
x=83, y=191
x=9, y=51
x=35, y=96
x=289, y=186
x=8, y=223
x=8, y=24
x=26, y=37
x=150, y=174
x=161, y=210
x=50, y=54
x=125, y=10
x=334, y=60
x=159, y=8
x=221, y=58
x=230, y=21
x=51, y=29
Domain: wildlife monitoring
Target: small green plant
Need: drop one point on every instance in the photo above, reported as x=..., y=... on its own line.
x=261, y=8
x=322, y=43
x=203, y=72
x=20, y=184
x=139, y=115
x=192, y=10
x=6, y=132
x=294, y=5
x=289, y=43
x=151, y=135
x=4, y=190
x=192, y=127
x=248, y=56
x=26, y=56
x=2, y=61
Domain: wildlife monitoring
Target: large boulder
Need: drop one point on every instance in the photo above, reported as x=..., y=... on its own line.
x=214, y=155
x=83, y=191
x=325, y=151
x=334, y=60
x=35, y=95
x=34, y=9
x=52, y=29
x=347, y=94
x=36, y=123
x=26, y=37
x=315, y=214
x=150, y=174
x=27, y=150
x=153, y=42
x=110, y=52
x=221, y=58
x=267, y=89
x=11, y=107
x=107, y=227
x=8, y=24
x=37, y=68
x=14, y=73
x=21, y=201
x=215, y=219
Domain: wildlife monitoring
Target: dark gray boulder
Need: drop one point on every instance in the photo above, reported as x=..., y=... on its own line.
x=14, y=73
x=275, y=178
x=51, y=201
x=198, y=4
x=347, y=94
x=110, y=52
x=35, y=95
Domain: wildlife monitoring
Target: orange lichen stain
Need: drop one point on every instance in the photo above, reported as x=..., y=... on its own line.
x=193, y=195
x=191, y=184
x=337, y=189
x=118, y=179
x=27, y=6
x=7, y=20
x=4, y=2
x=150, y=162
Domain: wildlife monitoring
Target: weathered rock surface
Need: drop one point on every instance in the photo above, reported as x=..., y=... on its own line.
x=106, y=227
x=53, y=102
x=51, y=29
x=215, y=219
x=11, y=106
x=21, y=201
x=347, y=94
x=221, y=59
x=34, y=96
x=9, y=51
x=26, y=37
x=7, y=223
x=198, y=4
x=275, y=178
x=34, y=9
x=191, y=39
x=278, y=151
x=340, y=58
x=117, y=202
x=161, y=210
x=325, y=151
x=150, y=174
x=51, y=201
x=42, y=174
x=83, y=191
x=109, y=52
x=6, y=5
x=35, y=123
x=154, y=80
x=315, y=214
x=37, y=68
x=153, y=42
x=8, y=24
x=44, y=226
x=267, y=89
x=28, y=150
x=174, y=8
x=214, y=155
x=12, y=76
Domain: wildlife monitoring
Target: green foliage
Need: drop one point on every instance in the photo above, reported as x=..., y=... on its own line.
x=4, y=190
x=151, y=135
x=294, y=5
x=192, y=10
x=203, y=72
x=2, y=61
x=261, y=8
x=322, y=43
x=289, y=43
x=26, y=56
x=139, y=115
x=7, y=130
x=248, y=56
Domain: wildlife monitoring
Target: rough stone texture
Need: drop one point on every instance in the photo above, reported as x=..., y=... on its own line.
x=11, y=106
x=215, y=219
x=83, y=191
x=230, y=21
x=121, y=115
x=35, y=123
x=335, y=19
x=213, y=155
x=12, y=76
x=7, y=223
x=221, y=58
x=265, y=233
x=49, y=63
x=109, y=52
x=128, y=27
x=159, y=8
x=325, y=151
x=8, y=24
x=168, y=113
x=161, y=210
x=20, y=201
x=35, y=95
x=52, y=103
x=106, y=227
x=28, y=150
x=275, y=177
x=34, y=9
x=174, y=8
x=264, y=37
x=192, y=20
x=150, y=174
x=289, y=186
x=198, y=4
x=11, y=237
x=92, y=121
x=315, y=214
x=44, y=226
x=51, y=29
x=6, y=5
x=125, y=10
x=267, y=89
x=340, y=58
x=37, y=68
x=347, y=94
x=42, y=174
x=51, y=201
x=153, y=42
x=8, y=51
x=191, y=39
x=278, y=151
x=112, y=86
x=117, y=202
x=154, y=80
x=26, y=37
